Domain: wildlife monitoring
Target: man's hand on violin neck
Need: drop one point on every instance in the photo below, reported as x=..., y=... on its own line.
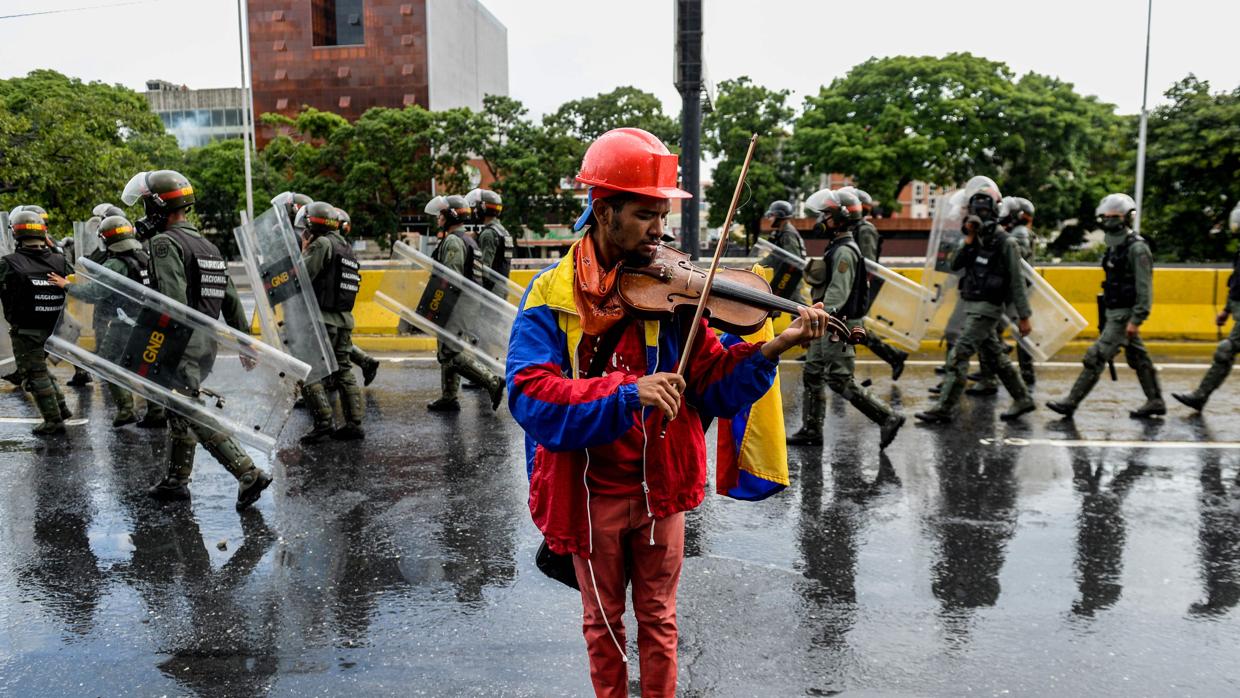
x=811, y=324
x=661, y=391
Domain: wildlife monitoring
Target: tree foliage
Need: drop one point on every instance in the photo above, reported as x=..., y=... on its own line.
x=1192, y=172
x=67, y=145
x=742, y=109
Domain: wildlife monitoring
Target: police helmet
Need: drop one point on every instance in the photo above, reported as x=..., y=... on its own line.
x=116, y=228
x=778, y=210
x=321, y=218
x=454, y=209
x=28, y=225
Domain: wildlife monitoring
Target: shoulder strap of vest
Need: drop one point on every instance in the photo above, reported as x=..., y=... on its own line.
x=607, y=346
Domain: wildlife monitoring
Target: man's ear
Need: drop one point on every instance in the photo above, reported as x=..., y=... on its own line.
x=603, y=213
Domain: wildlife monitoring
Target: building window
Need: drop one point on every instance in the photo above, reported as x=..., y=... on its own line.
x=337, y=22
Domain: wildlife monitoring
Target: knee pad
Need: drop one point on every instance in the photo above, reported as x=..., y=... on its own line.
x=839, y=385
x=1093, y=359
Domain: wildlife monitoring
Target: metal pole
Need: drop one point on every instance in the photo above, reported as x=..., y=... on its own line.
x=247, y=112
x=1141, y=131
x=689, y=83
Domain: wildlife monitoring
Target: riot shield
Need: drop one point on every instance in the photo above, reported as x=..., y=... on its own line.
x=159, y=348
x=440, y=302
x=788, y=271
x=936, y=313
x=288, y=311
x=895, y=306
x=7, y=244
x=1055, y=321
x=86, y=240
x=497, y=283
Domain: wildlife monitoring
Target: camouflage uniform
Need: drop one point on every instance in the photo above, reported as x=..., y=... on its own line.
x=29, y=337
x=339, y=323
x=457, y=252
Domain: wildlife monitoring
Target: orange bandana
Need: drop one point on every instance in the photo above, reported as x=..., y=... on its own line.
x=595, y=290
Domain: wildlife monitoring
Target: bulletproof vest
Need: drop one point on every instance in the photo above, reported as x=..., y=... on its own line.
x=337, y=283
x=859, y=296
x=1119, y=289
x=206, y=273
x=1233, y=282
x=137, y=265
x=986, y=279
x=471, y=253
x=31, y=302
x=503, y=256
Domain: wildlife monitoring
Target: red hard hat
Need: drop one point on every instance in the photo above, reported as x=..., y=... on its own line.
x=631, y=160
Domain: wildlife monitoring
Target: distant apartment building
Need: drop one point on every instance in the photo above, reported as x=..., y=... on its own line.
x=347, y=56
x=197, y=117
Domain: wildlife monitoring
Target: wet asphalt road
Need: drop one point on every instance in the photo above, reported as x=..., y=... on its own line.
x=984, y=559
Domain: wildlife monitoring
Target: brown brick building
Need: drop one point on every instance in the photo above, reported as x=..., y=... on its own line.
x=346, y=56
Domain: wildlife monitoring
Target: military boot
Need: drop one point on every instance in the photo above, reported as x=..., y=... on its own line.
x=890, y=355
x=466, y=365
x=942, y=368
x=79, y=379
x=450, y=385
x=880, y=413
x=321, y=410
x=1022, y=401
x=251, y=480
x=1027, y=373
x=49, y=409
x=1084, y=383
x=16, y=378
x=351, y=406
x=370, y=369
x=1154, y=405
x=985, y=387
x=813, y=410
x=943, y=412
x=1209, y=383
x=156, y=416
x=123, y=400
x=175, y=484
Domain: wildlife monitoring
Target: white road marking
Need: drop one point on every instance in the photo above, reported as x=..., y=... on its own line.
x=30, y=420
x=1105, y=443
x=861, y=362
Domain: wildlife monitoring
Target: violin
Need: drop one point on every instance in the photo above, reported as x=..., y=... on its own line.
x=739, y=302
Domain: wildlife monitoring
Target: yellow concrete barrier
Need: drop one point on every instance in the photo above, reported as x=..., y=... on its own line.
x=1185, y=300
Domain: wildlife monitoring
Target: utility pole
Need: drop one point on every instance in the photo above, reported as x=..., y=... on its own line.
x=1145, y=91
x=248, y=111
x=689, y=84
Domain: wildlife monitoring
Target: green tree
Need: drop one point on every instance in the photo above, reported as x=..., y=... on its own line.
x=590, y=117
x=742, y=109
x=1192, y=171
x=217, y=171
x=68, y=145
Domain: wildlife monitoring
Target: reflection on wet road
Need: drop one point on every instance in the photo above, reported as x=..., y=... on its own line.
x=1099, y=557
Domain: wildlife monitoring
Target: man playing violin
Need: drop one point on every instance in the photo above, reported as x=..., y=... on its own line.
x=593, y=387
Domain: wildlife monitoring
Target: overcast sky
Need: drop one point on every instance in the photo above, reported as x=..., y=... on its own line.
x=561, y=49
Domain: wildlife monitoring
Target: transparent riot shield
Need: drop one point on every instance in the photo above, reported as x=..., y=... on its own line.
x=86, y=242
x=288, y=311
x=497, y=283
x=787, y=272
x=938, y=312
x=895, y=302
x=440, y=302
x=159, y=349
x=1055, y=322
x=7, y=244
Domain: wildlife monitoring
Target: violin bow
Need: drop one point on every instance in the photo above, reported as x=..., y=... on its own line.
x=714, y=266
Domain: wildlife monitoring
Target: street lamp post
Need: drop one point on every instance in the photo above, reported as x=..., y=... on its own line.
x=1141, y=132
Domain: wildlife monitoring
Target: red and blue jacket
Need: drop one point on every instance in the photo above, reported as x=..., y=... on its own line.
x=565, y=415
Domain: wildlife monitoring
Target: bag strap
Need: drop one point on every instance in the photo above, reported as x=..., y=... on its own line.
x=607, y=346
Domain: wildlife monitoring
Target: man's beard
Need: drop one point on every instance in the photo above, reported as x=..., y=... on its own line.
x=632, y=258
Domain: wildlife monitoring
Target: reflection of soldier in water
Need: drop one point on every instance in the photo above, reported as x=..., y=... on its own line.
x=219, y=637
x=977, y=518
x=828, y=541
x=476, y=535
x=1218, y=538
x=1101, y=532
x=62, y=571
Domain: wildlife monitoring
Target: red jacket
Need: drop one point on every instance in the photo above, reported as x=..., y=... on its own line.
x=564, y=415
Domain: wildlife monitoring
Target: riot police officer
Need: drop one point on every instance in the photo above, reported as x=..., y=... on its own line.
x=1225, y=353
x=124, y=255
x=336, y=278
x=1128, y=294
x=457, y=251
x=494, y=243
x=189, y=269
x=841, y=284
x=32, y=305
x=1016, y=215
x=992, y=279
x=364, y=361
x=871, y=244
x=785, y=275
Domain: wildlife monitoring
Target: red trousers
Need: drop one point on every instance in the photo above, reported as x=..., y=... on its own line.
x=622, y=554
